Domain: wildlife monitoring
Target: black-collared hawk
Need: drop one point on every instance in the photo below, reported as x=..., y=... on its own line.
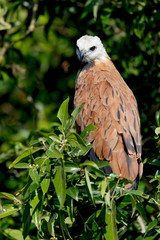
x=112, y=107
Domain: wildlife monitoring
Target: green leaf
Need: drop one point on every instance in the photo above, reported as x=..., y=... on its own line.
x=103, y=188
x=55, y=138
x=64, y=228
x=22, y=165
x=10, y=212
x=33, y=173
x=76, y=141
x=73, y=192
x=157, y=116
x=137, y=33
x=14, y=234
x=26, y=153
x=71, y=168
x=89, y=163
x=60, y=185
x=152, y=225
x=102, y=163
x=9, y=196
x=89, y=184
x=4, y=25
x=110, y=219
x=45, y=185
x=133, y=201
x=75, y=113
x=138, y=193
x=108, y=198
x=95, y=11
x=33, y=203
x=53, y=153
x=87, y=130
x=26, y=220
x=93, y=216
x=157, y=131
x=50, y=223
x=92, y=166
x=63, y=112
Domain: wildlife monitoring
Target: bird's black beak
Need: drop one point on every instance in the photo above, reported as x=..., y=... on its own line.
x=80, y=54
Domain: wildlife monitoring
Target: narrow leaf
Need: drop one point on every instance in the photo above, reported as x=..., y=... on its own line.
x=103, y=187
x=60, y=185
x=89, y=184
x=25, y=154
x=33, y=173
x=22, y=165
x=89, y=163
x=10, y=212
x=110, y=219
x=63, y=112
x=63, y=226
x=133, y=201
x=26, y=220
x=9, y=196
x=45, y=185
x=75, y=113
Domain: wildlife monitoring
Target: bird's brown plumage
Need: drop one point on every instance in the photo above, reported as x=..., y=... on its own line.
x=112, y=107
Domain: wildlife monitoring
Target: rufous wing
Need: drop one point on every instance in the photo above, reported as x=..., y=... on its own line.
x=111, y=106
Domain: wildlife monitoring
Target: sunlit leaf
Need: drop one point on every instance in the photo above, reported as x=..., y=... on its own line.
x=45, y=185
x=110, y=219
x=10, y=212
x=33, y=203
x=63, y=112
x=73, y=192
x=25, y=154
x=87, y=130
x=33, y=173
x=103, y=187
x=157, y=130
x=89, y=163
x=53, y=153
x=9, y=196
x=71, y=167
x=75, y=113
x=22, y=165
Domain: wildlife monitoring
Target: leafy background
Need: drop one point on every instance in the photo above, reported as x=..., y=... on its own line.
x=38, y=67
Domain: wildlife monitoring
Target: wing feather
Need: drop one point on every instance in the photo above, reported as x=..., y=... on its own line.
x=111, y=105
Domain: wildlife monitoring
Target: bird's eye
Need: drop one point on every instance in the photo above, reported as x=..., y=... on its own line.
x=92, y=48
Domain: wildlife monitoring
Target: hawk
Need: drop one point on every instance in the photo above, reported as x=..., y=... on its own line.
x=112, y=107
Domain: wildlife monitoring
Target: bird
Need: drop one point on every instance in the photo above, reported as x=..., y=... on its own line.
x=111, y=105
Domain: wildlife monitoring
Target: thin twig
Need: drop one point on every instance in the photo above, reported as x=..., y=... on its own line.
x=30, y=29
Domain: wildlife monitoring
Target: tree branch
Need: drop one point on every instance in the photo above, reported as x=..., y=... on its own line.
x=30, y=29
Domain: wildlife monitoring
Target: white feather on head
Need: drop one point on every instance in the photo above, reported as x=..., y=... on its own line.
x=90, y=48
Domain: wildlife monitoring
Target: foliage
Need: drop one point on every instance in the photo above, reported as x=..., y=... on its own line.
x=38, y=68
x=67, y=199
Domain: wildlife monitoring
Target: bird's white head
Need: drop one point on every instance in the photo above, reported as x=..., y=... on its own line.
x=90, y=48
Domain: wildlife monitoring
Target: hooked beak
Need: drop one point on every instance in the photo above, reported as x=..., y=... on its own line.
x=80, y=54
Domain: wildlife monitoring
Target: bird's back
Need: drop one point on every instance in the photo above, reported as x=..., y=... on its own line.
x=112, y=107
